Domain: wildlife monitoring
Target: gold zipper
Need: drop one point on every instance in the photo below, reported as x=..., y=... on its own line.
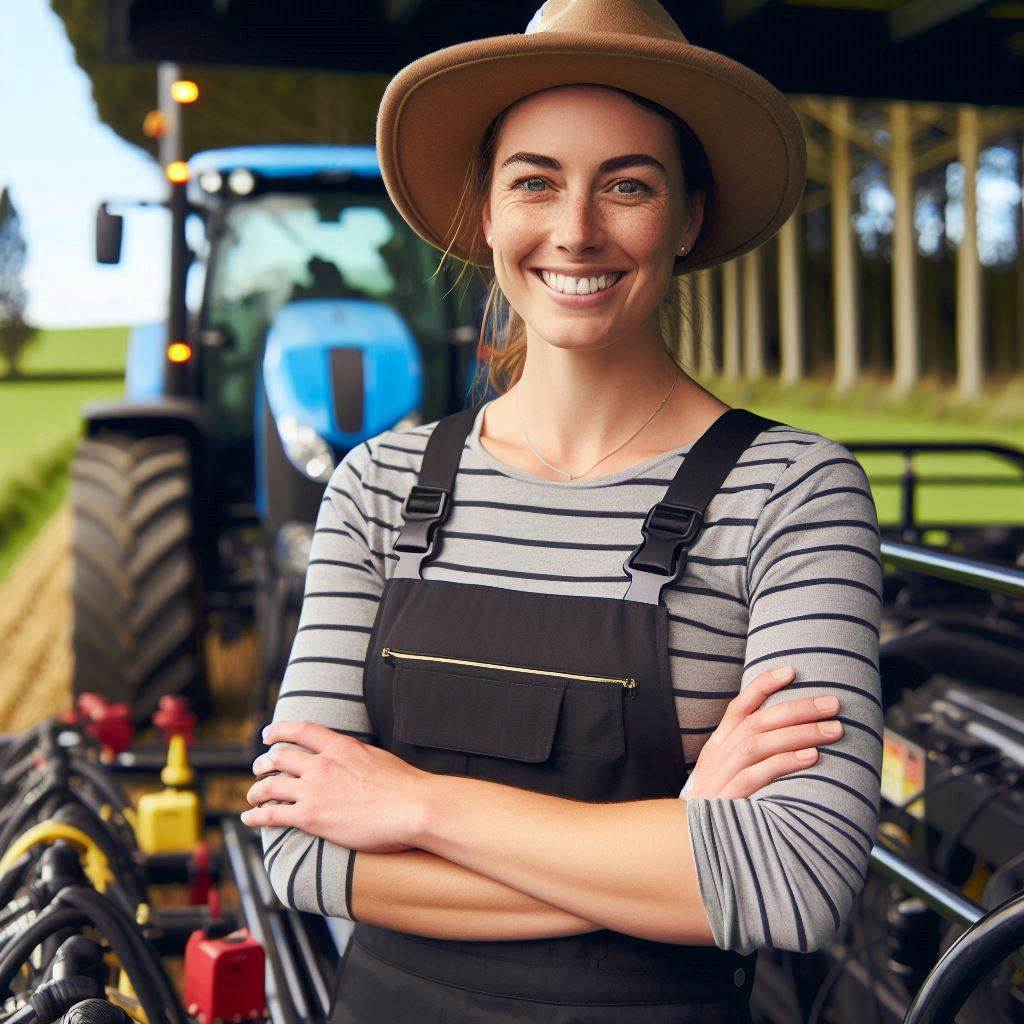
x=627, y=683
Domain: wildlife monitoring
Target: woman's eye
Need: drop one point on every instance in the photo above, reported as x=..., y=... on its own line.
x=641, y=188
x=526, y=181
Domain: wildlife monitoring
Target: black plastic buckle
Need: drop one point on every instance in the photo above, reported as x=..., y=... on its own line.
x=670, y=521
x=422, y=509
x=668, y=531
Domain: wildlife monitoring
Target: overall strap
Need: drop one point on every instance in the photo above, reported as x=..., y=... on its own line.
x=673, y=524
x=428, y=503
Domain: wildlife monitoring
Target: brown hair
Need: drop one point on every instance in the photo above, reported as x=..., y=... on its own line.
x=502, y=343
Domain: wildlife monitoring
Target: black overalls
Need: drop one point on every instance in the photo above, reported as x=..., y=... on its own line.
x=566, y=695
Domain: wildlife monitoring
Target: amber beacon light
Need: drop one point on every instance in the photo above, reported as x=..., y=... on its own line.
x=177, y=172
x=184, y=91
x=179, y=352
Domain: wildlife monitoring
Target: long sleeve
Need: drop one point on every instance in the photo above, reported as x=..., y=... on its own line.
x=323, y=679
x=783, y=867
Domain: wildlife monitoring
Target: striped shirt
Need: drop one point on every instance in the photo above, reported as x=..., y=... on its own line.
x=786, y=570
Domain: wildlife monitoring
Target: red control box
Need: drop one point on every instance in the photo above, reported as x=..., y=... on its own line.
x=224, y=978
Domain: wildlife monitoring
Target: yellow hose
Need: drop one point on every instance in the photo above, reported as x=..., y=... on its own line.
x=94, y=860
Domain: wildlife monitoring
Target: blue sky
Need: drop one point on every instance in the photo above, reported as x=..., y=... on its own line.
x=59, y=161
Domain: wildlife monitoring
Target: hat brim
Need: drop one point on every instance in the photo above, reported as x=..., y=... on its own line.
x=435, y=110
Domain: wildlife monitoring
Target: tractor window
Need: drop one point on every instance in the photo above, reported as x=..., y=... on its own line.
x=286, y=247
x=283, y=247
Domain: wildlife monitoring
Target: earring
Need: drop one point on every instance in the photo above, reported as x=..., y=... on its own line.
x=682, y=249
x=488, y=239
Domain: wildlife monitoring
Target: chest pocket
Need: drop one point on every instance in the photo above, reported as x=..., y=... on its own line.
x=550, y=734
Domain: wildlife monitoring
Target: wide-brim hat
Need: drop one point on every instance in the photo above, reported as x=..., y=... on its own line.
x=435, y=110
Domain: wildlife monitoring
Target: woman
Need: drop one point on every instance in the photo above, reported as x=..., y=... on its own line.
x=526, y=626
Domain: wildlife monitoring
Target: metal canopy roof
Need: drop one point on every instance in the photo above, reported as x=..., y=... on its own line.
x=968, y=51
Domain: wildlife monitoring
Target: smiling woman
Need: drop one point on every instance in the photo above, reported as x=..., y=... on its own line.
x=529, y=738
x=664, y=192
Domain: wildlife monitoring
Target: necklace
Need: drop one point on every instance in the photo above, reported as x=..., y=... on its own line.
x=515, y=397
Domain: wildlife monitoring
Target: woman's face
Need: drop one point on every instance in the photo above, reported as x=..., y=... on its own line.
x=563, y=201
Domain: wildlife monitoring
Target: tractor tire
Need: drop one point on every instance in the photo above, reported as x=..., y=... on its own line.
x=138, y=622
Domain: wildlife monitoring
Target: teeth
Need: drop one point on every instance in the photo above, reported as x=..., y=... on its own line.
x=579, y=285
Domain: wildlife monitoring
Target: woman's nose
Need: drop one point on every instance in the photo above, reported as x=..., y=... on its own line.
x=578, y=226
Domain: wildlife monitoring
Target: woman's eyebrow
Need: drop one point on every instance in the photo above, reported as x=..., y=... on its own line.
x=615, y=163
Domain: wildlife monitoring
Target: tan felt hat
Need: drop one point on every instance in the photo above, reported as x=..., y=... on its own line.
x=435, y=110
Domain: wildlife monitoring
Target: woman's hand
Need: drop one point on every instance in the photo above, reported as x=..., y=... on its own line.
x=753, y=746
x=353, y=794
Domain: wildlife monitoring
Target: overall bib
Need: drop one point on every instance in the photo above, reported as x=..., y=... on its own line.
x=559, y=694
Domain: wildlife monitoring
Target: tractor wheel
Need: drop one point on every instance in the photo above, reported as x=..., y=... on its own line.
x=136, y=586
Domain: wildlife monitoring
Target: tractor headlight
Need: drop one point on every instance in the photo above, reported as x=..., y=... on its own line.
x=307, y=451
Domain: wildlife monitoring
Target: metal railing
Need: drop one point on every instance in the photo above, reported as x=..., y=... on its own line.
x=909, y=480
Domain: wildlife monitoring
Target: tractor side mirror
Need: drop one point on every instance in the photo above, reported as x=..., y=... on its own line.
x=109, y=231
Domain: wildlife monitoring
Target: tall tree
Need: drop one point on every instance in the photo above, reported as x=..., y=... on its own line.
x=15, y=334
x=236, y=106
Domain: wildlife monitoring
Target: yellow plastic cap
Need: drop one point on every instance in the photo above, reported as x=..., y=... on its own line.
x=177, y=771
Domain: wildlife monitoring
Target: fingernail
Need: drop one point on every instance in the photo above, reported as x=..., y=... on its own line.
x=826, y=703
x=242, y=815
x=807, y=754
x=781, y=673
x=266, y=729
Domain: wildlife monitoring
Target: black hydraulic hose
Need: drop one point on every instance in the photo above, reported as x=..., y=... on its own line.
x=21, y=948
x=78, y=956
x=131, y=875
x=128, y=944
x=12, y=878
x=101, y=781
x=13, y=910
x=111, y=919
x=77, y=905
x=25, y=810
x=25, y=1015
x=54, y=998
x=16, y=749
x=969, y=960
x=14, y=774
x=96, y=1011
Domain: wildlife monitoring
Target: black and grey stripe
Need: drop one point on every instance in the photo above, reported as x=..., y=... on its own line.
x=786, y=571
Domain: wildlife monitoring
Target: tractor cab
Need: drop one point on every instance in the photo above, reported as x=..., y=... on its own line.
x=305, y=317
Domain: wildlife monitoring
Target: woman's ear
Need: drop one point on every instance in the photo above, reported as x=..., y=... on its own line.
x=485, y=217
x=695, y=211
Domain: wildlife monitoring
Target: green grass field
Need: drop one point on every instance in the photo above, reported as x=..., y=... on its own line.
x=77, y=350
x=38, y=416
x=39, y=420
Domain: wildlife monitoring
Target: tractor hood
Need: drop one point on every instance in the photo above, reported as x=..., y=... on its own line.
x=343, y=369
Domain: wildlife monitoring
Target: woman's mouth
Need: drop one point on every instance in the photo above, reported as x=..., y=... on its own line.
x=578, y=291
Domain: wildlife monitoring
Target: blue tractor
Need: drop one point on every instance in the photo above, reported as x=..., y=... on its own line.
x=305, y=316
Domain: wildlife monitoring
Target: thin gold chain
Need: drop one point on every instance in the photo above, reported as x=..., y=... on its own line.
x=515, y=398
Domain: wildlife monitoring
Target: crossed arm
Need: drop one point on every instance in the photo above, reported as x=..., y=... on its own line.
x=461, y=857
x=454, y=857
